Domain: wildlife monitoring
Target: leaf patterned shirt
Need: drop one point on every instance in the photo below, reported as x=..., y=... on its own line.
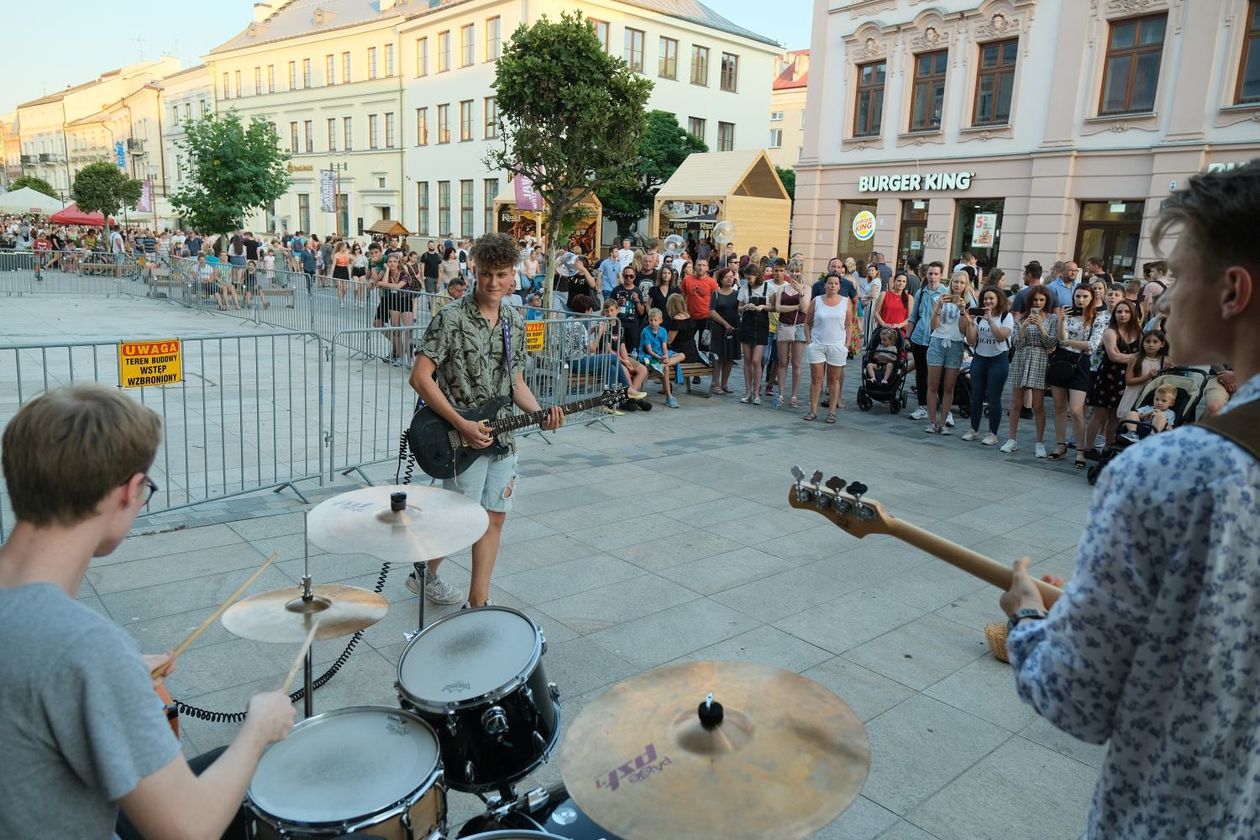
x=1155, y=644
x=468, y=353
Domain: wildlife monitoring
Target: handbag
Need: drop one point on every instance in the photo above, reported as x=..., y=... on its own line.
x=1060, y=371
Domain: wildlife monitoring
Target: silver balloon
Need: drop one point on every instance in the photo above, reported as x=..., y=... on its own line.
x=724, y=232
x=567, y=264
x=674, y=245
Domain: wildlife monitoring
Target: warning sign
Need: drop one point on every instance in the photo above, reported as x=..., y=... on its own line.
x=535, y=333
x=145, y=363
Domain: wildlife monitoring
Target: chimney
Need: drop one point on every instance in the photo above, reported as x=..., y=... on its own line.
x=262, y=11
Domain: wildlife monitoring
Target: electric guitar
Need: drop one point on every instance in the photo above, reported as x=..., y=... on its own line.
x=442, y=452
x=843, y=503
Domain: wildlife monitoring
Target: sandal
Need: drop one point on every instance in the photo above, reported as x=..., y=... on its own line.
x=810, y=416
x=794, y=403
x=1080, y=461
x=831, y=418
x=1059, y=453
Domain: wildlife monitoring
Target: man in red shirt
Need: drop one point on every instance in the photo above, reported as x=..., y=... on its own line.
x=43, y=249
x=698, y=291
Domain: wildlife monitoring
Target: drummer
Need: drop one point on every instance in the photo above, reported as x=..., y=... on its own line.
x=462, y=364
x=84, y=730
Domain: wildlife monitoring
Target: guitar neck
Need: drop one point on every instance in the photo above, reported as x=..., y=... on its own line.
x=534, y=418
x=971, y=562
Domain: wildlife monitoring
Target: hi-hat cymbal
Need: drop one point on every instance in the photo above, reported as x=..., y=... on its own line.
x=431, y=523
x=785, y=759
x=282, y=616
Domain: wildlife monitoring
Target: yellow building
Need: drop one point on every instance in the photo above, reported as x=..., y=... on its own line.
x=787, y=108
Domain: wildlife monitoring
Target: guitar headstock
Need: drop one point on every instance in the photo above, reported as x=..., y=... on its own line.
x=841, y=502
x=612, y=396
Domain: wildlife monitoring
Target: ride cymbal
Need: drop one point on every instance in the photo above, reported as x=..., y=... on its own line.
x=282, y=616
x=426, y=523
x=776, y=755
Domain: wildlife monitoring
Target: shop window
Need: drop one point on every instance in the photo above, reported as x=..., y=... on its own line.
x=928, y=98
x=849, y=245
x=1110, y=230
x=995, y=82
x=978, y=228
x=913, y=229
x=1131, y=73
x=868, y=111
x=1249, y=68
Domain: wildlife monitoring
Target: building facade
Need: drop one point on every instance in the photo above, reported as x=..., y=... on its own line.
x=186, y=95
x=787, y=108
x=1017, y=129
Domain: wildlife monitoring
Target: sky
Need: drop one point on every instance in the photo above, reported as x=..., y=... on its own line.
x=150, y=28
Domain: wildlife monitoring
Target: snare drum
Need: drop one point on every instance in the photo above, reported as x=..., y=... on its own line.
x=365, y=768
x=477, y=677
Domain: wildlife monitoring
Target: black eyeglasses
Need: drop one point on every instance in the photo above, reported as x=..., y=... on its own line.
x=153, y=488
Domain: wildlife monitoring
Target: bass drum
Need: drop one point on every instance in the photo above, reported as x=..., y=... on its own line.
x=477, y=677
x=365, y=768
x=567, y=820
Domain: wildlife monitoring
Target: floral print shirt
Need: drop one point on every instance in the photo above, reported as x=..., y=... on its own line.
x=1155, y=645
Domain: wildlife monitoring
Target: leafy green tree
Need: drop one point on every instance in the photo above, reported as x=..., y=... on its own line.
x=233, y=169
x=788, y=177
x=103, y=188
x=570, y=117
x=662, y=149
x=37, y=184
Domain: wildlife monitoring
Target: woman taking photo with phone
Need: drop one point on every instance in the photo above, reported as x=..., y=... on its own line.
x=1033, y=342
x=988, y=330
x=1079, y=332
x=945, y=351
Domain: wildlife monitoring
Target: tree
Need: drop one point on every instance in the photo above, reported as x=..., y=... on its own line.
x=570, y=117
x=661, y=150
x=102, y=187
x=233, y=169
x=788, y=177
x=37, y=184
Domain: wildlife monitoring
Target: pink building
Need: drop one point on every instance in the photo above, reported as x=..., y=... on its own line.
x=1017, y=129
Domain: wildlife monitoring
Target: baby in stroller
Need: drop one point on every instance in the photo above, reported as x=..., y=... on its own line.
x=884, y=371
x=1169, y=400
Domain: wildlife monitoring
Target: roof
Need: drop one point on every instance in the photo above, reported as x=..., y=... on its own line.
x=178, y=73
x=788, y=77
x=61, y=94
x=298, y=18
x=696, y=12
x=719, y=174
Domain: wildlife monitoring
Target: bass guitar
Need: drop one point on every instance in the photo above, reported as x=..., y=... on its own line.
x=442, y=452
x=843, y=503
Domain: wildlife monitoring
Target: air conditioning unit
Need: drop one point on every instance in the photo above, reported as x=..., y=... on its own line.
x=134, y=145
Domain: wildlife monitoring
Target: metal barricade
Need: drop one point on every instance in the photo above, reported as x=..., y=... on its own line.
x=571, y=360
x=72, y=272
x=246, y=417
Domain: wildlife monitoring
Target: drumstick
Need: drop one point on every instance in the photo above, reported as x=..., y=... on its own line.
x=297, y=663
x=213, y=617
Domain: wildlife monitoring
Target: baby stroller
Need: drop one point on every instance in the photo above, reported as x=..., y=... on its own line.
x=1190, y=384
x=893, y=391
x=962, y=389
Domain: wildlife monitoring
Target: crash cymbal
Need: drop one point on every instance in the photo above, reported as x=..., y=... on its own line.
x=282, y=616
x=429, y=523
x=778, y=755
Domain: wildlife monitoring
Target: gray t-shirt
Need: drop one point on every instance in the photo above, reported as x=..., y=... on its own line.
x=82, y=724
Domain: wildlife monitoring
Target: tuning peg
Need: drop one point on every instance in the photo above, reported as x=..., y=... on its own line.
x=798, y=474
x=802, y=494
x=835, y=484
x=816, y=478
x=857, y=489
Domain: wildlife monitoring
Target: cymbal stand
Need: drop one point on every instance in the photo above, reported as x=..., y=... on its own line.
x=308, y=667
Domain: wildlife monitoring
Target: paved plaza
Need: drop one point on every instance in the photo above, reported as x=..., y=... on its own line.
x=671, y=540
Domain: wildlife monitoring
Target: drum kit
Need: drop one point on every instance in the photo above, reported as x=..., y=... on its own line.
x=695, y=750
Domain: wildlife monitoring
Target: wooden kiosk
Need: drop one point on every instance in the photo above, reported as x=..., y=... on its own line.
x=737, y=187
x=522, y=223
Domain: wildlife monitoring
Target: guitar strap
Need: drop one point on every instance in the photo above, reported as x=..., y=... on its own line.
x=1240, y=425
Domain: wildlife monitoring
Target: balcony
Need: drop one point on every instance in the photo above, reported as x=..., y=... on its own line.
x=28, y=160
x=135, y=145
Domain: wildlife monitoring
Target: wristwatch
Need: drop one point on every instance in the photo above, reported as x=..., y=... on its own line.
x=1020, y=615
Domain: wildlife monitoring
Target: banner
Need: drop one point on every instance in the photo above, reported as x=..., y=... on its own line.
x=327, y=191
x=120, y=155
x=527, y=198
x=983, y=230
x=145, y=204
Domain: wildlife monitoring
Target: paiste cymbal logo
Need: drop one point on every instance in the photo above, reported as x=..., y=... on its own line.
x=636, y=769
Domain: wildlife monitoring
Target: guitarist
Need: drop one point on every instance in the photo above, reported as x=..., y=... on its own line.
x=83, y=731
x=464, y=361
x=1152, y=648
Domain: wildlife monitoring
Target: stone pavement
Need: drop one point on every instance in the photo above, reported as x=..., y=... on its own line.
x=671, y=540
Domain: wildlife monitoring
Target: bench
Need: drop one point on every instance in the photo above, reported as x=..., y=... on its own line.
x=689, y=369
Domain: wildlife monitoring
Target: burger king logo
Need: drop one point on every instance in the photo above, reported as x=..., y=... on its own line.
x=864, y=225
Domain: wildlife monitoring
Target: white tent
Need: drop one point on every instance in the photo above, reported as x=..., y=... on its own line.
x=27, y=200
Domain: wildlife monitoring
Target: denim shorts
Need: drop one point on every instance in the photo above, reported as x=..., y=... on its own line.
x=938, y=355
x=489, y=481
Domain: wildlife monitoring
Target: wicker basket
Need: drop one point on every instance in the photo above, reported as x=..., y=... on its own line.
x=995, y=635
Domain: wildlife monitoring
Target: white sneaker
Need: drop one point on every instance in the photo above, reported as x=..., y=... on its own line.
x=1010, y=446
x=932, y=429
x=943, y=430
x=949, y=419
x=989, y=440
x=1040, y=450
x=1100, y=442
x=920, y=413
x=971, y=434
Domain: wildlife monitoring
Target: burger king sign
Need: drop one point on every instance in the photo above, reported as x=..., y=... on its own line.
x=864, y=225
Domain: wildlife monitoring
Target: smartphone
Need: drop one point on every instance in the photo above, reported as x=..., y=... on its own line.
x=1036, y=310
x=976, y=311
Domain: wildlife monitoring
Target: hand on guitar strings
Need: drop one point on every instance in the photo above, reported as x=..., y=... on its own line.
x=555, y=418
x=1023, y=593
x=153, y=660
x=476, y=433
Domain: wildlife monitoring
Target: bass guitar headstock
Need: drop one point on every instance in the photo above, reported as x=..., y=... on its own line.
x=612, y=396
x=840, y=501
